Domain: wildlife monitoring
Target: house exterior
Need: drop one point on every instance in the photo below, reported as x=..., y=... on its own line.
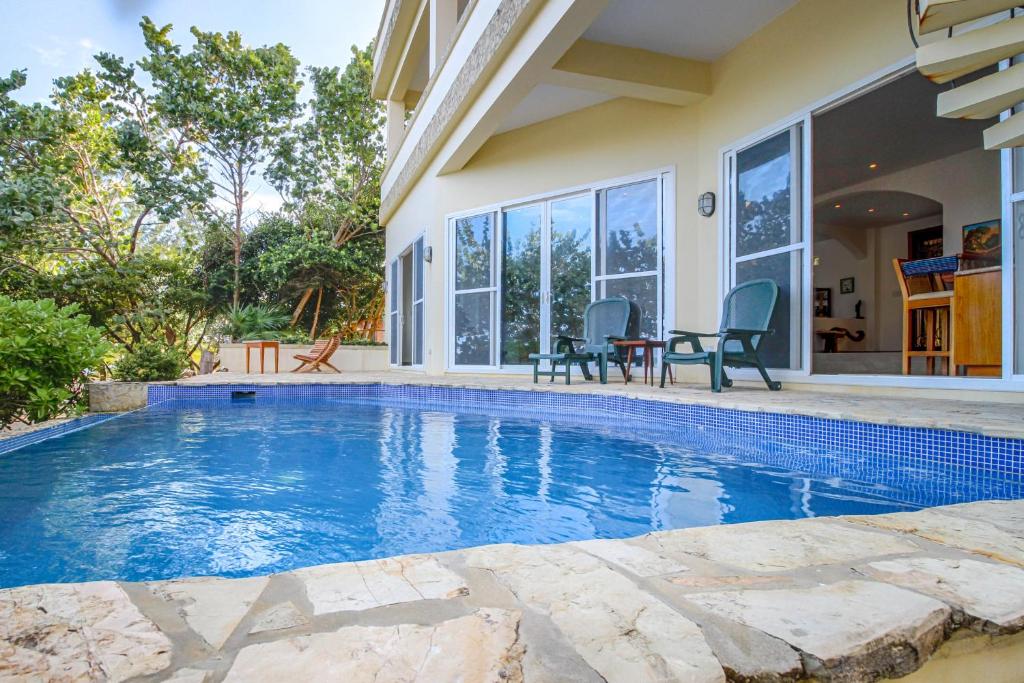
x=545, y=153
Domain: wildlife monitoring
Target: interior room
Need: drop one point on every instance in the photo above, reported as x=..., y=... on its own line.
x=906, y=266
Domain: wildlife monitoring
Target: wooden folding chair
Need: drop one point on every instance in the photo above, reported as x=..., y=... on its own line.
x=319, y=355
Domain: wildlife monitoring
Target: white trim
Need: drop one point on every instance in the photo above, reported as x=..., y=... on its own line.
x=665, y=179
x=408, y=249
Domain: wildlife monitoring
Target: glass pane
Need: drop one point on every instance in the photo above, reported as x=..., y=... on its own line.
x=1018, y=169
x=644, y=291
x=570, y=264
x=473, y=328
x=394, y=285
x=417, y=260
x=782, y=349
x=394, y=339
x=473, y=251
x=764, y=202
x=417, y=341
x=628, y=230
x=520, y=285
x=1018, y=286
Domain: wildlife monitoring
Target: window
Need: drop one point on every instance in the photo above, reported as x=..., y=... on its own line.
x=523, y=274
x=767, y=239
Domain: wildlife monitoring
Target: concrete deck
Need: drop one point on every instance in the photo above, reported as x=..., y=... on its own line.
x=938, y=592
x=958, y=411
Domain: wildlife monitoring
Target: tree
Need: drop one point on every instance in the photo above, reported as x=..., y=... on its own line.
x=86, y=186
x=329, y=169
x=235, y=101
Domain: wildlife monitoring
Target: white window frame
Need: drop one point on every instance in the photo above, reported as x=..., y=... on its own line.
x=666, y=243
x=409, y=248
x=1007, y=382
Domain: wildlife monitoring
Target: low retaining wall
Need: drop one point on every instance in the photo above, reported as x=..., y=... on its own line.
x=116, y=397
x=346, y=358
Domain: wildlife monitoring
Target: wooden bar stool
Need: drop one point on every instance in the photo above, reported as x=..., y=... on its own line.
x=923, y=287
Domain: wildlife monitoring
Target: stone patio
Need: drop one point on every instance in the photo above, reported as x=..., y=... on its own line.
x=954, y=410
x=841, y=599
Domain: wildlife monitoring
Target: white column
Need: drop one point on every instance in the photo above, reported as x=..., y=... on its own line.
x=443, y=17
x=396, y=126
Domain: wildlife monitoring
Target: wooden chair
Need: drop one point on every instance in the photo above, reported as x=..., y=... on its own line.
x=319, y=355
x=935, y=299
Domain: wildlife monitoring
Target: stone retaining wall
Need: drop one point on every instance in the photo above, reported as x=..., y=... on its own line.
x=938, y=592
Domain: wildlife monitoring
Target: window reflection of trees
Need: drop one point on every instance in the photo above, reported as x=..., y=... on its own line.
x=473, y=252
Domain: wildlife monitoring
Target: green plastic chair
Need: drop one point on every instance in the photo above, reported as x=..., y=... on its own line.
x=604, y=322
x=746, y=314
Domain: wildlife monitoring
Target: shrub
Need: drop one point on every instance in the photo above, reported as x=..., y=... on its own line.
x=254, y=321
x=152, y=361
x=45, y=351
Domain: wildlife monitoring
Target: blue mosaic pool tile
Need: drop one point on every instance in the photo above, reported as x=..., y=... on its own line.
x=892, y=446
x=15, y=442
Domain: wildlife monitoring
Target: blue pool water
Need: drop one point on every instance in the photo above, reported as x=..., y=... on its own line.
x=243, y=488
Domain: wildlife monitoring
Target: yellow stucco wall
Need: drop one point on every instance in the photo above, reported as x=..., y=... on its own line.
x=809, y=53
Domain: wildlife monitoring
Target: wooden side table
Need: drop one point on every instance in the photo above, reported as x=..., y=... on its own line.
x=648, y=345
x=262, y=344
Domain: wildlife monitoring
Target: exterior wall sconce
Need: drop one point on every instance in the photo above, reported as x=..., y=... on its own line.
x=428, y=254
x=706, y=204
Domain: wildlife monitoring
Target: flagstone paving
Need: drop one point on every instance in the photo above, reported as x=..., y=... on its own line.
x=840, y=599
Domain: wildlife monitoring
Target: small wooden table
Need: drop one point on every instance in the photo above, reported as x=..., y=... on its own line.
x=262, y=344
x=648, y=345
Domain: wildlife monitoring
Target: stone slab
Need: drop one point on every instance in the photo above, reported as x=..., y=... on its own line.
x=988, y=593
x=116, y=397
x=966, y=533
x=279, y=617
x=365, y=585
x=625, y=634
x=483, y=646
x=856, y=630
x=71, y=632
x=777, y=546
x=632, y=557
x=213, y=607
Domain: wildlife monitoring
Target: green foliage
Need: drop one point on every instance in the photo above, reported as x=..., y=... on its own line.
x=151, y=361
x=45, y=352
x=253, y=321
x=235, y=100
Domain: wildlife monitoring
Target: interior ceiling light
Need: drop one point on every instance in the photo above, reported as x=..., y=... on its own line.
x=906, y=213
x=872, y=165
x=871, y=210
x=838, y=206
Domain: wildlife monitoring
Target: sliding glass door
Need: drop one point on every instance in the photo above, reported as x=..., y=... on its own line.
x=767, y=238
x=524, y=274
x=405, y=306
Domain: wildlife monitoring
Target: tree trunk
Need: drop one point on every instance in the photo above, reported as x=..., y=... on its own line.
x=297, y=313
x=316, y=313
x=239, y=205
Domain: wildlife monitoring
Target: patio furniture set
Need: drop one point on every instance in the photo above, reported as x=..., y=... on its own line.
x=611, y=336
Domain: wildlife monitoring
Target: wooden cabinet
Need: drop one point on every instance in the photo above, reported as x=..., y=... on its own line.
x=977, y=321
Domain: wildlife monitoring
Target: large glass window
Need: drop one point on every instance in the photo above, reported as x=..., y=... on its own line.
x=393, y=314
x=525, y=274
x=570, y=263
x=417, y=303
x=520, y=284
x=627, y=248
x=474, y=290
x=1018, y=286
x=767, y=236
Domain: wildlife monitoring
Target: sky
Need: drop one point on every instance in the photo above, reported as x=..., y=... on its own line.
x=52, y=38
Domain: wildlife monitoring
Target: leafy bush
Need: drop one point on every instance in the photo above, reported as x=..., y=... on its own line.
x=361, y=341
x=151, y=362
x=45, y=351
x=253, y=321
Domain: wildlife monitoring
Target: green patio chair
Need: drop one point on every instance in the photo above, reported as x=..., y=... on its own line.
x=746, y=314
x=604, y=322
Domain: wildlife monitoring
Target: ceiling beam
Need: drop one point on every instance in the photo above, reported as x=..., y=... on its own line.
x=935, y=15
x=631, y=72
x=960, y=55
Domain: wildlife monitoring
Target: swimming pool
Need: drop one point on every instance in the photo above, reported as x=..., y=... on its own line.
x=213, y=486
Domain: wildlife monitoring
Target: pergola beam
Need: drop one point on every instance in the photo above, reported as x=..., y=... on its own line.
x=936, y=15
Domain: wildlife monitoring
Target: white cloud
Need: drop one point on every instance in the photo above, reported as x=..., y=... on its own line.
x=86, y=44
x=51, y=56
